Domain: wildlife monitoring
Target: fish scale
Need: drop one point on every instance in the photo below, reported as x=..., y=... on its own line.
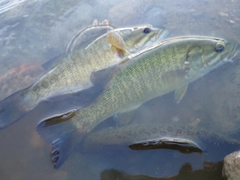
x=73, y=71
x=159, y=69
x=81, y=65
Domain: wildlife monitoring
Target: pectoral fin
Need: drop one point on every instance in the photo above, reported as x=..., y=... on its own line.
x=124, y=119
x=180, y=92
x=117, y=42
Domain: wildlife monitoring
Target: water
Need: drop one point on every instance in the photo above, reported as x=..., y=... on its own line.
x=36, y=31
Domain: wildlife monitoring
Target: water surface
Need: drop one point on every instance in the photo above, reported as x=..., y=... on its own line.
x=36, y=31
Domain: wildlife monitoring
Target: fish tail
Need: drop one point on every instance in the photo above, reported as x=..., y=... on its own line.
x=60, y=131
x=62, y=148
x=13, y=108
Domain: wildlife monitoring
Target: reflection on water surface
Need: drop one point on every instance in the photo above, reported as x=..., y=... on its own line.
x=32, y=32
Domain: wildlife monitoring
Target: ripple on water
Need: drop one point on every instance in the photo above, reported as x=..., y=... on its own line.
x=6, y=5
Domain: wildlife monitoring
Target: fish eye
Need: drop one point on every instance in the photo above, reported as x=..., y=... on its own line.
x=219, y=47
x=147, y=30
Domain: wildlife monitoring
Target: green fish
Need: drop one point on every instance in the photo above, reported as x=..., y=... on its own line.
x=186, y=139
x=73, y=73
x=163, y=68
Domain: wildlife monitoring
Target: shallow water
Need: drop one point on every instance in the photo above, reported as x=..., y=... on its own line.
x=36, y=31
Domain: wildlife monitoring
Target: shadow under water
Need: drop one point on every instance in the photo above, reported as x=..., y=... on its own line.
x=210, y=171
x=32, y=32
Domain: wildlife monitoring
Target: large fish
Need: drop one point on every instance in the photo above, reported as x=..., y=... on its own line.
x=186, y=139
x=164, y=68
x=73, y=73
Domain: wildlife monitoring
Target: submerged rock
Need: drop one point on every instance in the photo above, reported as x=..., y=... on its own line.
x=210, y=171
x=231, y=167
x=19, y=78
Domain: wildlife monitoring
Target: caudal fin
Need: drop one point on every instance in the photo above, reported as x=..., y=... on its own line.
x=60, y=131
x=13, y=108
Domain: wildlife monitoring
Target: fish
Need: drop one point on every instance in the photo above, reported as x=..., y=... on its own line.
x=186, y=139
x=163, y=68
x=72, y=74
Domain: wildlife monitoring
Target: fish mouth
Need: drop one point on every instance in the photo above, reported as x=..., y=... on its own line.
x=161, y=34
x=235, y=51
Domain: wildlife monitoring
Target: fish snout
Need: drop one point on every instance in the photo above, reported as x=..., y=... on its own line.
x=237, y=52
x=161, y=34
x=234, y=53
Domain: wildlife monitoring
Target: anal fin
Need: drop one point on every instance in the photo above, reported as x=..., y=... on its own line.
x=180, y=92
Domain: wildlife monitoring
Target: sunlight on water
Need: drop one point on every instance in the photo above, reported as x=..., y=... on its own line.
x=6, y=5
x=36, y=35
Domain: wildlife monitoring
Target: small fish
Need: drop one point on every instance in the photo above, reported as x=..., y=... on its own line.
x=73, y=73
x=166, y=67
x=186, y=139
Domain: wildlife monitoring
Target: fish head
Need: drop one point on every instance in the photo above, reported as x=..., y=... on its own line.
x=208, y=54
x=139, y=37
x=232, y=50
